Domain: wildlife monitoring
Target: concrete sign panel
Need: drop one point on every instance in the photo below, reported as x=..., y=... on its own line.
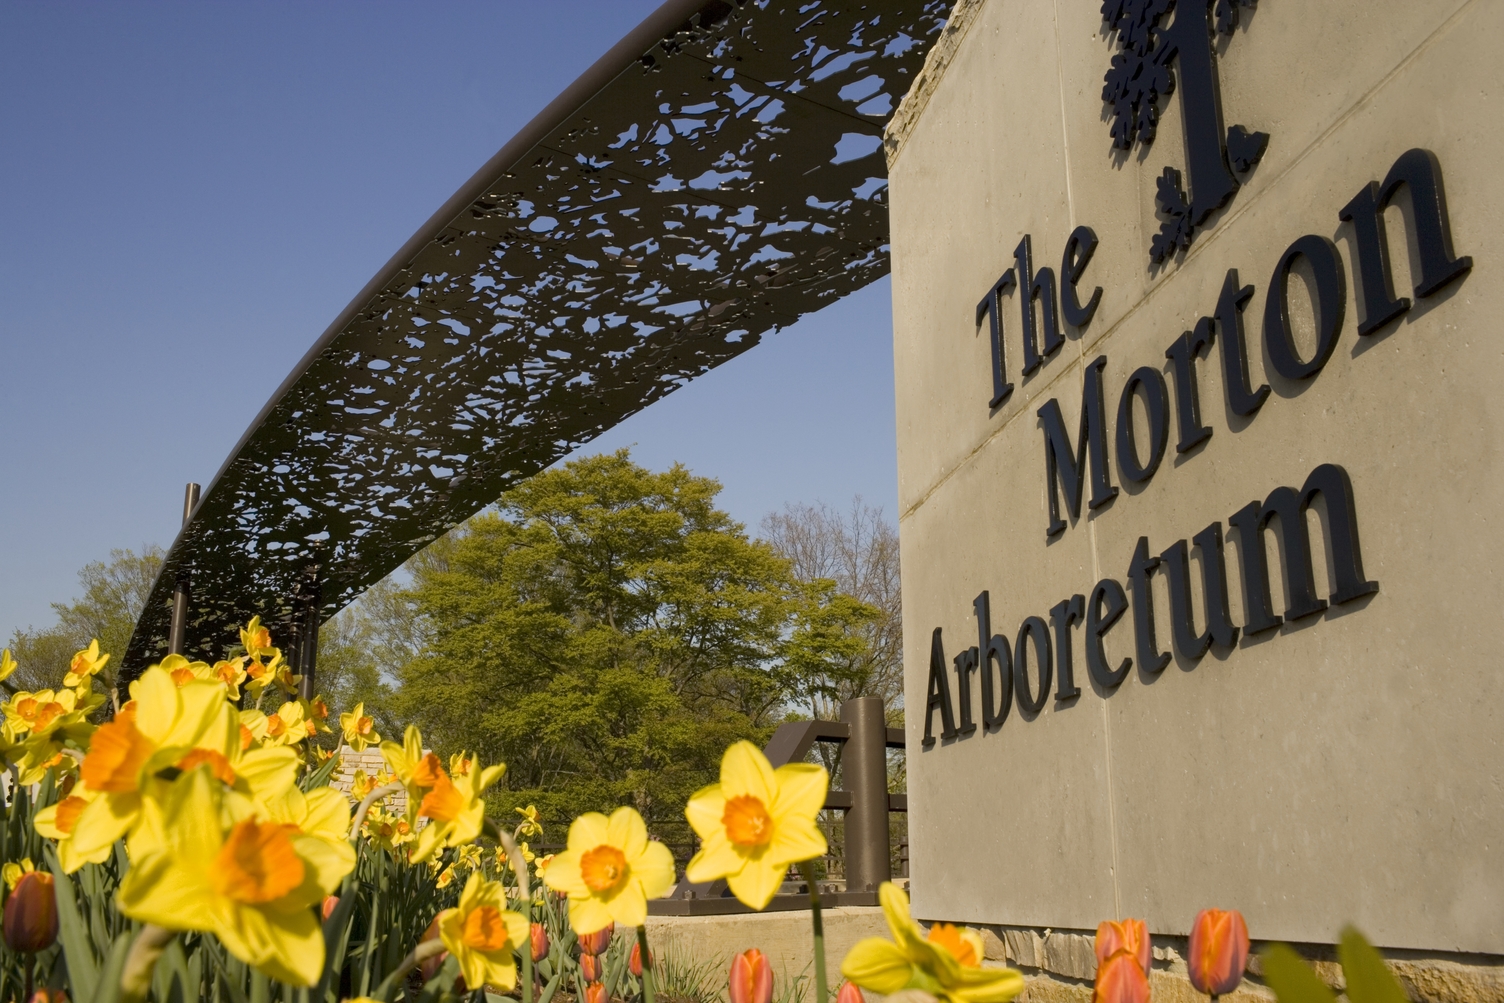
x=1201, y=454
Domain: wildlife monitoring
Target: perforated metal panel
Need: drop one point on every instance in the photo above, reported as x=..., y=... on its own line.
x=714, y=177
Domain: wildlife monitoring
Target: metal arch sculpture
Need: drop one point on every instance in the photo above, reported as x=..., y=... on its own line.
x=712, y=178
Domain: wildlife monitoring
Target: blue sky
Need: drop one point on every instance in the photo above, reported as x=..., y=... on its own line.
x=189, y=193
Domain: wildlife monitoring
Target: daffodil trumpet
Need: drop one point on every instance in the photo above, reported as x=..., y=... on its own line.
x=808, y=873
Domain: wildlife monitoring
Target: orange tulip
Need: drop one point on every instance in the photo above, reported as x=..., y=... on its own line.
x=49, y=996
x=597, y=942
x=431, y=967
x=1130, y=935
x=591, y=969
x=595, y=993
x=1218, y=951
x=538, y=939
x=330, y=901
x=751, y=978
x=849, y=994
x=634, y=963
x=30, y=923
x=1121, y=980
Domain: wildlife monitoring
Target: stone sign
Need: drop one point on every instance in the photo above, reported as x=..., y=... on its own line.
x=1201, y=463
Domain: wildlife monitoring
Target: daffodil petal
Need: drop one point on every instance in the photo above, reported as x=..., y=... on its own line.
x=878, y=965
x=717, y=858
x=705, y=811
x=757, y=882
x=745, y=770
x=801, y=789
x=589, y=831
x=629, y=907
x=653, y=868
x=587, y=915
x=627, y=831
x=563, y=874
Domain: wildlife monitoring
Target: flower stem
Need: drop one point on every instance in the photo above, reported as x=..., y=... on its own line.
x=135, y=978
x=647, y=964
x=821, y=992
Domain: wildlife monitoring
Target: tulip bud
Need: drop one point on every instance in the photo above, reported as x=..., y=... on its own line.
x=431, y=966
x=1121, y=980
x=849, y=993
x=538, y=936
x=751, y=978
x=31, y=914
x=596, y=993
x=330, y=901
x=597, y=942
x=634, y=963
x=1218, y=951
x=49, y=996
x=591, y=969
x=1130, y=935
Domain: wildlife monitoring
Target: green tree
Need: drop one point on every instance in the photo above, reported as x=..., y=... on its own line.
x=606, y=632
x=114, y=594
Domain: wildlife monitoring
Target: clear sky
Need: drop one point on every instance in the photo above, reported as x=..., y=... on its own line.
x=189, y=194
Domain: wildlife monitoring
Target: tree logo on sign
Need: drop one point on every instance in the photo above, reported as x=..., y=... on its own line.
x=1144, y=69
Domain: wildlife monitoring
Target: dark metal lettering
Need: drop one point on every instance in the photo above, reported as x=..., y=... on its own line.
x=1331, y=303
x=992, y=306
x=1150, y=658
x=993, y=649
x=1066, y=613
x=1099, y=621
x=938, y=697
x=1066, y=468
x=966, y=664
x=1035, y=628
x=1031, y=287
x=1241, y=399
x=1157, y=402
x=1079, y=249
x=1182, y=354
x=1214, y=586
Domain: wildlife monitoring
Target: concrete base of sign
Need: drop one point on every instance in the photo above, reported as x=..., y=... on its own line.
x=783, y=936
x=1061, y=964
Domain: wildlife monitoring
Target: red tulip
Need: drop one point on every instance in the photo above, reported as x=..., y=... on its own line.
x=538, y=935
x=31, y=914
x=591, y=969
x=1218, y=951
x=849, y=994
x=595, y=993
x=330, y=901
x=597, y=942
x=1130, y=935
x=1121, y=980
x=430, y=968
x=751, y=978
x=634, y=963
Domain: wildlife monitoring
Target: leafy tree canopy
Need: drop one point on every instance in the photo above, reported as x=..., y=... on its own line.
x=607, y=632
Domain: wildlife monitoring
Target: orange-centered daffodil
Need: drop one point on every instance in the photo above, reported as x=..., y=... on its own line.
x=610, y=870
x=756, y=822
x=946, y=964
x=482, y=933
x=358, y=728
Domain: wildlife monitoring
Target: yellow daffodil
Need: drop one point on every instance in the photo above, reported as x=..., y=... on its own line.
x=256, y=639
x=946, y=964
x=56, y=822
x=322, y=813
x=7, y=664
x=415, y=769
x=482, y=933
x=230, y=672
x=85, y=665
x=13, y=870
x=359, y=729
x=505, y=861
x=469, y=856
x=387, y=830
x=610, y=870
x=37, y=712
x=255, y=884
x=183, y=671
x=288, y=726
x=166, y=727
x=756, y=822
x=459, y=764
x=445, y=878
x=361, y=786
x=455, y=810
x=530, y=827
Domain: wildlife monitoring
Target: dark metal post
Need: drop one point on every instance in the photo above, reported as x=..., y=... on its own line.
x=308, y=645
x=178, y=631
x=864, y=763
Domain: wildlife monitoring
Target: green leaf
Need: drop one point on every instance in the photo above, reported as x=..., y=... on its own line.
x=551, y=988
x=73, y=934
x=320, y=777
x=108, y=990
x=1368, y=978
x=1292, y=980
